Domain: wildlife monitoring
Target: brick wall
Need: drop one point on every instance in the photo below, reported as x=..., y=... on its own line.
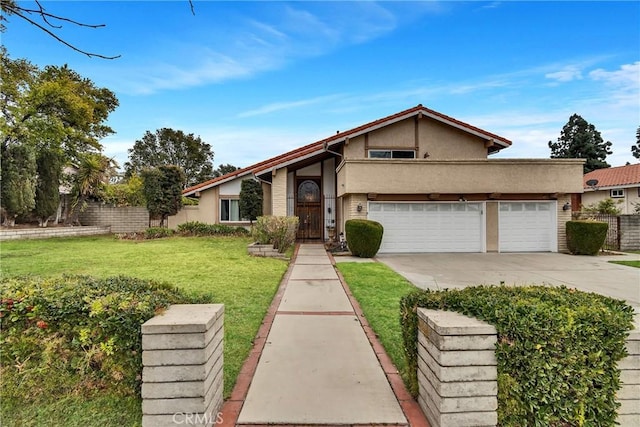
x=629, y=393
x=629, y=232
x=120, y=219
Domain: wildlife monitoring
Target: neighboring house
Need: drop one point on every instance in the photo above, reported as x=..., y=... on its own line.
x=622, y=184
x=423, y=175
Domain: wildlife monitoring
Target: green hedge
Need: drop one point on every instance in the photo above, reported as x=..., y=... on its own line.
x=76, y=333
x=557, y=349
x=363, y=237
x=196, y=228
x=586, y=237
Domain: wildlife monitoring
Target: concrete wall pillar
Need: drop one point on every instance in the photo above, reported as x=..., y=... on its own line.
x=457, y=369
x=182, y=366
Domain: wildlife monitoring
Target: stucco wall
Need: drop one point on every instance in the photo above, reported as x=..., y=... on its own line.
x=625, y=204
x=492, y=227
x=385, y=176
x=443, y=142
x=440, y=141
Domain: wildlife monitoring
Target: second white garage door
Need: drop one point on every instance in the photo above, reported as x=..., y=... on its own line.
x=429, y=227
x=528, y=227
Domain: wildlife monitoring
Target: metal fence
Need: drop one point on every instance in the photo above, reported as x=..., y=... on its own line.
x=612, y=242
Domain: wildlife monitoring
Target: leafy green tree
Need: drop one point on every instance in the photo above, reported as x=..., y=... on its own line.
x=580, y=140
x=47, y=198
x=635, y=149
x=167, y=147
x=223, y=170
x=250, y=203
x=52, y=108
x=127, y=193
x=18, y=182
x=163, y=190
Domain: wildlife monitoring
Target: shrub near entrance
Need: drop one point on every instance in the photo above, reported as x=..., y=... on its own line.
x=363, y=237
x=557, y=349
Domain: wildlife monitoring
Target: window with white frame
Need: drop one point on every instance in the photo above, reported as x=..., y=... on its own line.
x=229, y=210
x=617, y=193
x=392, y=154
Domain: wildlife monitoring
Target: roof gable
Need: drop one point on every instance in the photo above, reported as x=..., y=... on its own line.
x=322, y=145
x=614, y=177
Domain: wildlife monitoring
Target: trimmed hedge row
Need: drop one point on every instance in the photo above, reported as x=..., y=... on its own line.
x=76, y=333
x=364, y=237
x=557, y=349
x=586, y=237
x=191, y=228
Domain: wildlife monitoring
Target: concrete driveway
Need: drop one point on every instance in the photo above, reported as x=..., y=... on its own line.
x=451, y=270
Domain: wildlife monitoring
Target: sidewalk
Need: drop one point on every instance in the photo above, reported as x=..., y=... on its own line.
x=317, y=366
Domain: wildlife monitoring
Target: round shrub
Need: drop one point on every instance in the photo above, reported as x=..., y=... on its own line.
x=586, y=237
x=364, y=237
x=76, y=333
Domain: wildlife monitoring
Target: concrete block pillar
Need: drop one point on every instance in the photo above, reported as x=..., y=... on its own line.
x=629, y=393
x=182, y=366
x=457, y=369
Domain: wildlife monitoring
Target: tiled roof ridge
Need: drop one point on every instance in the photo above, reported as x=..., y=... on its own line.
x=614, y=176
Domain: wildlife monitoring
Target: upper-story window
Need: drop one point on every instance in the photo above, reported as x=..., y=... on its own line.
x=617, y=193
x=392, y=154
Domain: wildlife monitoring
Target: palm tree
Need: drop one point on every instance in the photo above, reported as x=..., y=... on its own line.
x=94, y=171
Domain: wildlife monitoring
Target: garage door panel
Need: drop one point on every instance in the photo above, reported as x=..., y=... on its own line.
x=429, y=227
x=527, y=227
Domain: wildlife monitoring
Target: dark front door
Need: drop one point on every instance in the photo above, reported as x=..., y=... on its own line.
x=309, y=208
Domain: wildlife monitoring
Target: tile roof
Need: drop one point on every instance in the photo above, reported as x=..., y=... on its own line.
x=614, y=177
x=341, y=136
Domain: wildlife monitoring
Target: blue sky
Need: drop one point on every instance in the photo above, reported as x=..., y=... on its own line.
x=255, y=79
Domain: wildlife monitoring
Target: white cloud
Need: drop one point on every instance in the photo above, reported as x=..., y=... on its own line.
x=627, y=77
x=567, y=74
x=280, y=106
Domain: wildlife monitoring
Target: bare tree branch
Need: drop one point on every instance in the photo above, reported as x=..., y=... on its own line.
x=193, y=10
x=11, y=8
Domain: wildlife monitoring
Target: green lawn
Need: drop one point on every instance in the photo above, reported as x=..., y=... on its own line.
x=629, y=263
x=218, y=267
x=378, y=290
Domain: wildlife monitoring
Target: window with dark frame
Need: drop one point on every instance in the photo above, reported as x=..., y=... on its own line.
x=392, y=154
x=229, y=210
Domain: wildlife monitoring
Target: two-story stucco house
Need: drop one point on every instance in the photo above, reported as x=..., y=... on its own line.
x=425, y=176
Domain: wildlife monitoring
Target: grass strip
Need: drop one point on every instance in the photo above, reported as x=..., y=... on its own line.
x=378, y=290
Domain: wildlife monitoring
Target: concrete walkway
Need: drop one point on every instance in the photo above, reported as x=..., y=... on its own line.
x=318, y=366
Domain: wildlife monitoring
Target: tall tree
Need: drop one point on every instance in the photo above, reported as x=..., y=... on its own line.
x=250, y=203
x=168, y=147
x=635, y=149
x=18, y=183
x=53, y=108
x=580, y=140
x=49, y=167
x=223, y=170
x=162, y=188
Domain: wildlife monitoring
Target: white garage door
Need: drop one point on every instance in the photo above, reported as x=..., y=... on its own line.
x=429, y=227
x=528, y=227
